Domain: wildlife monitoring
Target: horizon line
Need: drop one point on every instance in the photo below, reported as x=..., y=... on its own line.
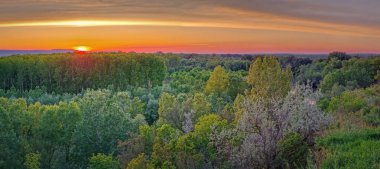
x=207, y=53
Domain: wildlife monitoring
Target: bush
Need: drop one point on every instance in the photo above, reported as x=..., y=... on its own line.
x=373, y=117
x=347, y=102
x=363, y=102
x=358, y=149
x=293, y=151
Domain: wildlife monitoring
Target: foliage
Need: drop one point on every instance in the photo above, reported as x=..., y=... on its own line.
x=73, y=73
x=32, y=161
x=238, y=107
x=193, y=80
x=263, y=124
x=305, y=117
x=106, y=118
x=293, y=151
x=236, y=84
x=363, y=102
x=102, y=161
x=355, y=73
x=169, y=111
x=56, y=128
x=218, y=81
x=268, y=79
x=347, y=102
x=338, y=56
x=194, y=149
x=208, y=112
x=294, y=62
x=38, y=95
x=138, y=163
x=311, y=73
x=13, y=123
x=200, y=105
x=352, y=149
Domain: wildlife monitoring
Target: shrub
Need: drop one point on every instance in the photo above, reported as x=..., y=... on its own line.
x=357, y=149
x=347, y=102
x=373, y=117
x=293, y=151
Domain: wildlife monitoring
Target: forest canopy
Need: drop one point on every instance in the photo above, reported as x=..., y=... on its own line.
x=132, y=110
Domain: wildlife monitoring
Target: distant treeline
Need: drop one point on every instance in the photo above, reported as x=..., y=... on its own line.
x=74, y=72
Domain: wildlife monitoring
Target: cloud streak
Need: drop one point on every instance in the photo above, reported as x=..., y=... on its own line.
x=351, y=12
x=265, y=23
x=352, y=17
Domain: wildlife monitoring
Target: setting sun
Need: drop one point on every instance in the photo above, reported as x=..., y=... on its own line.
x=82, y=48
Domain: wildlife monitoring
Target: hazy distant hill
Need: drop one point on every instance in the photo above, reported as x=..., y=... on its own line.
x=22, y=52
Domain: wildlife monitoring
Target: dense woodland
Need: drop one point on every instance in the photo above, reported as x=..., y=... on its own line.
x=136, y=111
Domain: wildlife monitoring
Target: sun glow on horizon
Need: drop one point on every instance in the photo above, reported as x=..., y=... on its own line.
x=82, y=48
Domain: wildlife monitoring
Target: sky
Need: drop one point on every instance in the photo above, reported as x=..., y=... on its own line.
x=197, y=26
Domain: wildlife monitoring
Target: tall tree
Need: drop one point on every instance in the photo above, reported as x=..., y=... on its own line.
x=218, y=81
x=102, y=161
x=57, y=124
x=268, y=79
x=106, y=119
x=169, y=111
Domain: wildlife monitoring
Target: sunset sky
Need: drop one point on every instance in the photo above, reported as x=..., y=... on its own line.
x=201, y=26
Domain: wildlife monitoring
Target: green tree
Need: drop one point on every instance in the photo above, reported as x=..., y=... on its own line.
x=293, y=151
x=218, y=81
x=102, y=161
x=169, y=111
x=194, y=149
x=200, y=105
x=57, y=124
x=138, y=163
x=268, y=79
x=32, y=161
x=13, y=129
x=162, y=156
x=236, y=84
x=238, y=107
x=352, y=74
x=64, y=73
x=338, y=56
x=106, y=119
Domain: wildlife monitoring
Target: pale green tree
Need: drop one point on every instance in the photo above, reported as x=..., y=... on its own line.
x=32, y=161
x=268, y=79
x=138, y=162
x=218, y=81
x=200, y=105
x=169, y=111
x=102, y=161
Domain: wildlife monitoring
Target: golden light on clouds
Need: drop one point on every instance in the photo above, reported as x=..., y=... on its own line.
x=233, y=26
x=266, y=22
x=83, y=23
